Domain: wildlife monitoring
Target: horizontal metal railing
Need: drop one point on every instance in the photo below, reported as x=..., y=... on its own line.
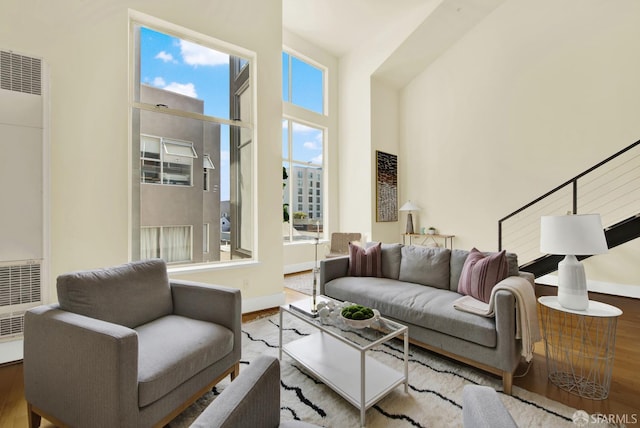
x=610, y=188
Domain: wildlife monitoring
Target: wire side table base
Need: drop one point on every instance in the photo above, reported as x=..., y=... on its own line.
x=579, y=349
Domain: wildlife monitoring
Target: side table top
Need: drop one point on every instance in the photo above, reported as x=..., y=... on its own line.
x=595, y=309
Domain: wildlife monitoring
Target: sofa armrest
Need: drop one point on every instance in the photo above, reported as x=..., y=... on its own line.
x=252, y=400
x=482, y=408
x=529, y=277
x=71, y=358
x=331, y=269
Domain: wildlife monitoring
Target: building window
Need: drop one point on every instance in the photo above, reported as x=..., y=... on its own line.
x=205, y=238
x=171, y=243
x=192, y=110
x=207, y=163
x=164, y=161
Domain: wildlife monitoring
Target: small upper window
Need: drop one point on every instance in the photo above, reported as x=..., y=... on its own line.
x=302, y=83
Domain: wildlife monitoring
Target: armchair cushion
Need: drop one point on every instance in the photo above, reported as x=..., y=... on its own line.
x=130, y=295
x=195, y=345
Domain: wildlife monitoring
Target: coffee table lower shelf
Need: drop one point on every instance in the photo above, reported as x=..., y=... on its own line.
x=339, y=366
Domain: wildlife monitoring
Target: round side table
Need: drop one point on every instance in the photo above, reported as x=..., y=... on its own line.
x=579, y=346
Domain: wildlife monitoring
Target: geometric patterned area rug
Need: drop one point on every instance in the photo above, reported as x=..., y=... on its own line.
x=434, y=398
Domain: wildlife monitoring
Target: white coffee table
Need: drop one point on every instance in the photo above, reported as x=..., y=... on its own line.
x=337, y=355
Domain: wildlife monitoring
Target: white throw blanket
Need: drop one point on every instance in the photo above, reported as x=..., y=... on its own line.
x=527, y=327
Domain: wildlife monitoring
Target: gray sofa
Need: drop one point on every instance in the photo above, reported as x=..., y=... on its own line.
x=418, y=288
x=127, y=347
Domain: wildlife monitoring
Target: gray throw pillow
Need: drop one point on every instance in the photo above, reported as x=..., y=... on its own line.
x=391, y=257
x=425, y=265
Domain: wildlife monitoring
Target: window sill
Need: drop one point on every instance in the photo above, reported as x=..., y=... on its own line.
x=207, y=267
x=307, y=242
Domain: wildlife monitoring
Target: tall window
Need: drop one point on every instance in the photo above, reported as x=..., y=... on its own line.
x=303, y=146
x=193, y=135
x=302, y=157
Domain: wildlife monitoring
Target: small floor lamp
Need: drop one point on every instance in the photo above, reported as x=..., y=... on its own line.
x=571, y=236
x=409, y=206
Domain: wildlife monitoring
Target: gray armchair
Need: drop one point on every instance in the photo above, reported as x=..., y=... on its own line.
x=482, y=408
x=127, y=347
x=252, y=400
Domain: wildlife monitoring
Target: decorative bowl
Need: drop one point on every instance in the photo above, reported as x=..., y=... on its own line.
x=358, y=324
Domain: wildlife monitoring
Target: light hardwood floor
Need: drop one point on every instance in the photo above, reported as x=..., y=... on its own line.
x=624, y=398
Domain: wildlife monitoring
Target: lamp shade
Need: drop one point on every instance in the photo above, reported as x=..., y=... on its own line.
x=578, y=235
x=409, y=206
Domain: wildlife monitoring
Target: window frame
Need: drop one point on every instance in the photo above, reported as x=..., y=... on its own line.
x=307, y=117
x=137, y=20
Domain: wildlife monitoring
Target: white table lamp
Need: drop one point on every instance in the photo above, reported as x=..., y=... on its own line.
x=572, y=235
x=409, y=206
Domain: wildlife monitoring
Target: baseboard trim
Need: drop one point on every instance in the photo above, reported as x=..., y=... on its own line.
x=254, y=304
x=11, y=350
x=624, y=290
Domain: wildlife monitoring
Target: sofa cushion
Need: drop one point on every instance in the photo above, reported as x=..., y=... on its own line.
x=130, y=295
x=365, y=262
x=458, y=258
x=481, y=273
x=427, y=307
x=391, y=257
x=173, y=349
x=425, y=265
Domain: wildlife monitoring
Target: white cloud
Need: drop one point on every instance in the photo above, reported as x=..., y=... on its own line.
x=164, y=56
x=317, y=159
x=187, y=89
x=159, y=82
x=310, y=145
x=224, y=155
x=194, y=54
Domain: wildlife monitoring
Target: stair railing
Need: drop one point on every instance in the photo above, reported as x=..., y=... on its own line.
x=610, y=188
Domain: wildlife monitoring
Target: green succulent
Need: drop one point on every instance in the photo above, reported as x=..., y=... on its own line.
x=357, y=312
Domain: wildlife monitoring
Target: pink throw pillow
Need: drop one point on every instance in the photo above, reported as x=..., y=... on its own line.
x=365, y=262
x=481, y=273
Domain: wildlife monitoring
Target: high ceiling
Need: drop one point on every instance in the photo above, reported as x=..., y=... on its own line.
x=338, y=26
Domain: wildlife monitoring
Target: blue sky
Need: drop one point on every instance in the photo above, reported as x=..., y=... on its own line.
x=181, y=66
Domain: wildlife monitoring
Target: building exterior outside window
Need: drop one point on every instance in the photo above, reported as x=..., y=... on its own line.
x=195, y=146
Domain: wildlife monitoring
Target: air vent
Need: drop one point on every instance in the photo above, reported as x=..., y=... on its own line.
x=20, y=73
x=11, y=325
x=20, y=284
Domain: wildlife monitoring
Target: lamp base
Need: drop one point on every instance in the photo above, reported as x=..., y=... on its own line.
x=409, y=224
x=572, y=284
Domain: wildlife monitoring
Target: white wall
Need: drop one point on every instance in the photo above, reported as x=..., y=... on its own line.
x=86, y=45
x=385, y=136
x=356, y=149
x=533, y=95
